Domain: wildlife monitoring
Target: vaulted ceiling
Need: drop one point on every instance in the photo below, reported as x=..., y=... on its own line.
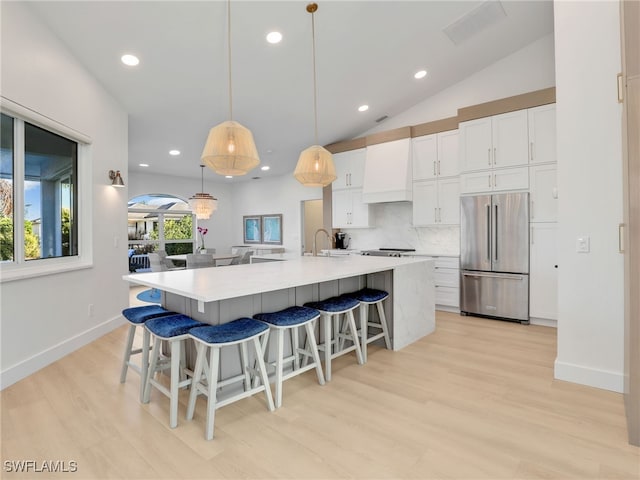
x=367, y=53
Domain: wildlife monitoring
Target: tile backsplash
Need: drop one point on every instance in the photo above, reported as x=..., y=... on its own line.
x=391, y=227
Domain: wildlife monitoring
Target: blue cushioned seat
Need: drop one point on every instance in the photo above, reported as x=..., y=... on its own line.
x=289, y=316
x=229, y=332
x=369, y=295
x=147, y=312
x=334, y=304
x=172, y=326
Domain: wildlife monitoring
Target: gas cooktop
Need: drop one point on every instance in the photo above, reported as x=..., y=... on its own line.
x=388, y=252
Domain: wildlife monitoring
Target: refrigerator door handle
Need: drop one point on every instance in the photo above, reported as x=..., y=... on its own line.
x=495, y=236
x=493, y=275
x=489, y=233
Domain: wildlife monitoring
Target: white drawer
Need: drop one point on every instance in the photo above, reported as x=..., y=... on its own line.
x=448, y=296
x=447, y=262
x=447, y=277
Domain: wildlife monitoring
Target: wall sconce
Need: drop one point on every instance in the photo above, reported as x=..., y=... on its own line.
x=116, y=179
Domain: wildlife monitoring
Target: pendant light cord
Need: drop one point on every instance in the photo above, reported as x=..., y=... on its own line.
x=229, y=50
x=315, y=88
x=202, y=178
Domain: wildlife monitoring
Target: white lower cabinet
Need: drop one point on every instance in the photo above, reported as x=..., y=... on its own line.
x=436, y=202
x=543, y=271
x=347, y=209
x=447, y=281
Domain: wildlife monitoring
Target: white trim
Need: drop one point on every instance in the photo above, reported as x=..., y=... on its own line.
x=25, y=113
x=17, y=372
x=20, y=269
x=591, y=377
x=544, y=322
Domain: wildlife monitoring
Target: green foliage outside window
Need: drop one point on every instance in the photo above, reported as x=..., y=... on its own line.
x=176, y=229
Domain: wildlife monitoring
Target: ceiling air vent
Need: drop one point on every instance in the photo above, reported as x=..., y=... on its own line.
x=475, y=21
x=384, y=117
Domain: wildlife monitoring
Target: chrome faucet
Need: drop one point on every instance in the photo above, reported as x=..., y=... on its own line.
x=315, y=238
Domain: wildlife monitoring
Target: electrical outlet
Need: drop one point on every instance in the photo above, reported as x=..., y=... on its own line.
x=90, y=310
x=582, y=244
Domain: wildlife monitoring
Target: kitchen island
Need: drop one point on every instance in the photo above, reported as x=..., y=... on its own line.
x=221, y=294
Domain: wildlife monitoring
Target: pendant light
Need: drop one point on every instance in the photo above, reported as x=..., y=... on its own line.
x=230, y=149
x=203, y=204
x=315, y=165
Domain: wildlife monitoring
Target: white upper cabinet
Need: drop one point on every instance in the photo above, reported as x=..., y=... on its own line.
x=349, y=168
x=494, y=142
x=348, y=211
x=542, y=134
x=388, y=173
x=435, y=156
x=436, y=202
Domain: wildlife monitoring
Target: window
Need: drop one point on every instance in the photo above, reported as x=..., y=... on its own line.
x=161, y=222
x=40, y=168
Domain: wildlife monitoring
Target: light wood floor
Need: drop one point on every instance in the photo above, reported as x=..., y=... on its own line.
x=476, y=399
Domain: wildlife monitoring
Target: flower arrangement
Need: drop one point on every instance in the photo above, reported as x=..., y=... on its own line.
x=202, y=231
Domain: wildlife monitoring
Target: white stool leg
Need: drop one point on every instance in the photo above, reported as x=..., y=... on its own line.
x=175, y=379
x=144, y=363
x=201, y=350
x=152, y=368
x=326, y=326
x=295, y=347
x=383, y=324
x=244, y=359
x=354, y=335
x=364, y=329
x=214, y=360
x=314, y=351
x=279, y=365
x=263, y=373
x=127, y=353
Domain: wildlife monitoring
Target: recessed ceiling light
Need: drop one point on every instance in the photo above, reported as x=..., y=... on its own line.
x=130, y=60
x=228, y=176
x=274, y=37
x=265, y=167
x=363, y=108
x=174, y=152
x=420, y=74
x=143, y=164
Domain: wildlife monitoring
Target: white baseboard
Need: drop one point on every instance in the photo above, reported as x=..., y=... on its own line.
x=545, y=322
x=591, y=377
x=446, y=308
x=17, y=372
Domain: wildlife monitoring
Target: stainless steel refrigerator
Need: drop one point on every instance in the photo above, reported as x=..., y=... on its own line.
x=494, y=256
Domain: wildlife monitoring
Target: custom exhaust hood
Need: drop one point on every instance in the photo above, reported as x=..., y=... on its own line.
x=388, y=172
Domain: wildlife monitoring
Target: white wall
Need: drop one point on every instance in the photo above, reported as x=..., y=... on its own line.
x=220, y=235
x=530, y=68
x=591, y=324
x=45, y=318
x=283, y=195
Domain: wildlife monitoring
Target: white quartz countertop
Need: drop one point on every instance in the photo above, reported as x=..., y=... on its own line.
x=220, y=283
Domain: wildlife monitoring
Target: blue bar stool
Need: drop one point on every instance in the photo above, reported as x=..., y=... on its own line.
x=174, y=330
x=333, y=346
x=205, y=377
x=292, y=319
x=368, y=297
x=137, y=316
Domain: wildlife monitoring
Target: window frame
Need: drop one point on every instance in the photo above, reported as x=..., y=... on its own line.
x=20, y=268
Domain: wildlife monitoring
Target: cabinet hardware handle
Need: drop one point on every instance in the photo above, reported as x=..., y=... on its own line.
x=495, y=160
x=495, y=180
x=440, y=214
x=489, y=155
x=620, y=88
x=621, y=238
x=531, y=150
x=489, y=177
x=434, y=168
x=438, y=167
x=435, y=214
